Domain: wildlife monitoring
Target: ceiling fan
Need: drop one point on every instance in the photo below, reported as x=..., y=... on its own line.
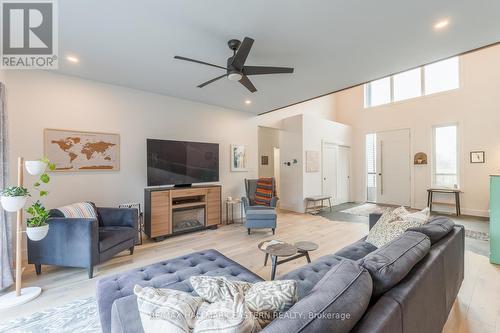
x=236, y=69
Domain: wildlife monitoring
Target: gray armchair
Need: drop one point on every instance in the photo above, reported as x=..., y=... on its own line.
x=81, y=242
x=259, y=216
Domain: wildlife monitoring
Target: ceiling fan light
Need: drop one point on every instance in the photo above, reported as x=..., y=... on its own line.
x=234, y=76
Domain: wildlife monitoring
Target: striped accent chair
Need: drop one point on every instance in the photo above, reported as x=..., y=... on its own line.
x=260, y=204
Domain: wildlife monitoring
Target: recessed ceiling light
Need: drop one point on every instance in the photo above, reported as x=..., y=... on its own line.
x=441, y=24
x=72, y=59
x=248, y=101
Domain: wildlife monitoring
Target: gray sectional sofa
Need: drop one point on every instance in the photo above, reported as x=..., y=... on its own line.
x=407, y=286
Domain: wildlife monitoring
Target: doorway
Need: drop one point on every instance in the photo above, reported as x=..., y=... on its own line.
x=336, y=164
x=388, y=167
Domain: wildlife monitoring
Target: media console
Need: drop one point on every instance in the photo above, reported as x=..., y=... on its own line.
x=172, y=211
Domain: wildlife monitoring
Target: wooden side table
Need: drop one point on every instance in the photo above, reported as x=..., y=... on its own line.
x=276, y=248
x=455, y=192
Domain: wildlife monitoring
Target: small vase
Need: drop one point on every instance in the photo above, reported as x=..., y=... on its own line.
x=13, y=204
x=37, y=233
x=35, y=168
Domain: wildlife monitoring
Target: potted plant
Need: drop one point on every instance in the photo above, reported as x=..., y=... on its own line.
x=36, y=167
x=37, y=227
x=14, y=198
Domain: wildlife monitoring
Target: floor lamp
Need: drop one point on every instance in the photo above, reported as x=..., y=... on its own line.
x=20, y=295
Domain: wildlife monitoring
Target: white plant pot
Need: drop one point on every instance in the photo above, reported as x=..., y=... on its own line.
x=37, y=233
x=35, y=168
x=13, y=204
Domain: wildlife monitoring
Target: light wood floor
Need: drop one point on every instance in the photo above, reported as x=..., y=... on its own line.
x=477, y=308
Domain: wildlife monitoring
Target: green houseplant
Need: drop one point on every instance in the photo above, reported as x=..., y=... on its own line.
x=14, y=198
x=37, y=227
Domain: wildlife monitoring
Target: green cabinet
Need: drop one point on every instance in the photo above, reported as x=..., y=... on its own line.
x=495, y=219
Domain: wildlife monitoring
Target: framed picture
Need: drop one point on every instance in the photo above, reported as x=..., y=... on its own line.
x=477, y=156
x=82, y=151
x=264, y=160
x=238, y=158
x=312, y=161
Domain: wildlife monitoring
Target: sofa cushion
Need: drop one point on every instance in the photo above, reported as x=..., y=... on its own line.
x=392, y=262
x=265, y=299
x=111, y=236
x=227, y=316
x=166, y=310
x=79, y=210
x=334, y=305
x=260, y=214
x=172, y=273
x=389, y=227
x=356, y=250
x=308, y=275
x=436, y=228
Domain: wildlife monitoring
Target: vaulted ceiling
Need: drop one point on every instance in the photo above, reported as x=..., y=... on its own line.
x=332, y=44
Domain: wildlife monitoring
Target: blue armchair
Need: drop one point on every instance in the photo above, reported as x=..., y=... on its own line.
x=259, y=216
x=82, y=242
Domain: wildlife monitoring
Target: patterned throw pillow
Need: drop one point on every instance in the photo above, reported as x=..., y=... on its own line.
x=264, y=191
x=264, y=299
x=225, y=316
x=166, y=310
x=79, y=210
x=389, y=226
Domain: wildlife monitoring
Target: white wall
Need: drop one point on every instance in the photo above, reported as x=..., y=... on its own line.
x=475, y=107
x=291, y=176
x=315, y=132
x=323, y=107
x=38, y=100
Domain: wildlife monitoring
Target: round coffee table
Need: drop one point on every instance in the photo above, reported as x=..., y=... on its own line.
x=276, y=248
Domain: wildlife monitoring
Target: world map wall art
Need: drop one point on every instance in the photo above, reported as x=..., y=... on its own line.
x=82, y=151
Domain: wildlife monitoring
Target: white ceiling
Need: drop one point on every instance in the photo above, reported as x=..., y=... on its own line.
x=332, y=44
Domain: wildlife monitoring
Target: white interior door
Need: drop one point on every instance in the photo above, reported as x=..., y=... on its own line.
x=276, y=166
x=329, y=169
x=393, y=167
x=343, y=174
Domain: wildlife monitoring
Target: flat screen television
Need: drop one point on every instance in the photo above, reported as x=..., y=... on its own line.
x=182, y=163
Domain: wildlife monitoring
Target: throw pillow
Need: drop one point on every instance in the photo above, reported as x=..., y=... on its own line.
x=390, y=226
x=264, y=299
x=79, y=210
x=419, y=216
x=226, y=316
x=166, y=310
x=264, y=191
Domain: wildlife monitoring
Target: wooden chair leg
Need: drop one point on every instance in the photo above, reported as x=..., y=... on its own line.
x=38, y=269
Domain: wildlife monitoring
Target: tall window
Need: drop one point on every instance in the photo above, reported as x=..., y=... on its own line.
x=445, y=165
x=437, y=77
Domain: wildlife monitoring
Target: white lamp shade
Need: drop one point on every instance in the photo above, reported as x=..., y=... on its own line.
x=13, y=204
x=35, y=168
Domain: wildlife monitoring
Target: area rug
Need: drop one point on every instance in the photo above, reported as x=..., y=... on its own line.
x=479, y=235
x=366, y=209
x=79, y=316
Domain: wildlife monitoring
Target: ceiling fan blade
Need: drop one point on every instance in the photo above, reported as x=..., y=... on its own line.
x=242, y=53
x=199, y=62
x=259, y=70
x=210, y=81
x=247, y=83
